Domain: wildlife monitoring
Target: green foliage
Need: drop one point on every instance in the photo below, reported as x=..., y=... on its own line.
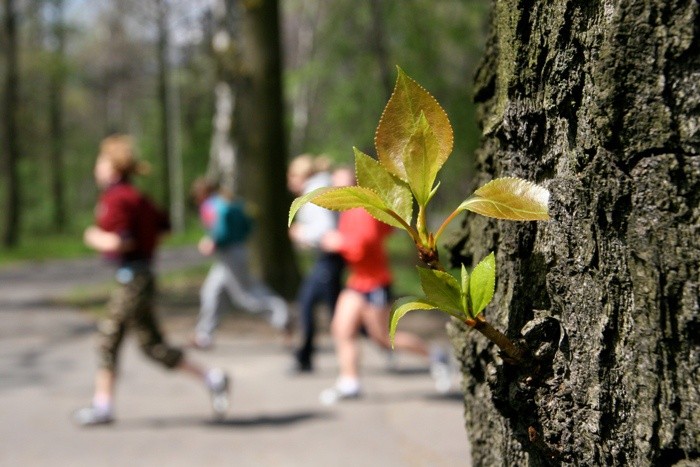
x=414, y=137
x=413, y=140
x=464, y=300
x=482, y=284
x=509, y=198
x=395, y=193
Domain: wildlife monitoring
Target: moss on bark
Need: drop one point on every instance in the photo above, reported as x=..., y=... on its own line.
x=601, y=105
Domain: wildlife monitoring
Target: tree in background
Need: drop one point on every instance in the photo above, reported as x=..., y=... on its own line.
x=599, y=102
x=223, y=151
x=11, y=133
x=262, y=138
x=56, y=92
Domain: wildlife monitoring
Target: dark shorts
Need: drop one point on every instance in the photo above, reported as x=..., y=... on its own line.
x=131, y=308
x=380, y=297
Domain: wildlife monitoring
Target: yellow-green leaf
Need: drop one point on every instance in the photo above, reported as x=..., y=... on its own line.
x=344, y=198
x=510, y=198
x=441, y=289
x=398, y=122
x=400, y=308
x=419, y=160
x=395, y=192
x=406, y=304
x=465, y=287
x=482, y=284
x=302, y=200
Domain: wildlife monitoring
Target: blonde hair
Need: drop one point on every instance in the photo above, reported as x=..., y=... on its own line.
x=202, y=188
x=119, y=151
x=307, y=165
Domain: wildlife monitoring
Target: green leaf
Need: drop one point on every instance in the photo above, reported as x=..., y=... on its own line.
x=403, y=306
x=395, y=192
x=421, y=152
x=398, y=123
x=345, y=198
x=510, y=198
x=482, y=284
x=441, y=289
x=302, y=200
x=465, y=288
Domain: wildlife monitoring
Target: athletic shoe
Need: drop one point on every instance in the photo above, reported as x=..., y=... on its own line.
x=279, y=316
x=441, y=370
x=91, y=416
x=335, y=394
x=218, y=383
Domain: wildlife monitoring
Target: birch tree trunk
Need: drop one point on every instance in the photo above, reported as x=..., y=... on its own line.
x=600, y=102
x=223, y=157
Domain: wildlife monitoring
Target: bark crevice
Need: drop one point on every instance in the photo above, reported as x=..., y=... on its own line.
x=602, y=106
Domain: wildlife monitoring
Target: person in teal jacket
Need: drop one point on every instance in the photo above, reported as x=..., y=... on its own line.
x=228, y=227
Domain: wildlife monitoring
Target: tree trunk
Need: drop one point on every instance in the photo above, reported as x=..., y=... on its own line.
x=598, y=101
x=10, y=144
x=164, y=100
x=260, y=127
x=223, y=164
x=56, y=85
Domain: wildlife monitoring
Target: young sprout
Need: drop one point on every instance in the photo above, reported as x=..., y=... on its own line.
x=413, y=140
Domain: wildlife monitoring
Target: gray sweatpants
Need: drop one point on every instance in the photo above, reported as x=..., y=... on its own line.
x=230, y=274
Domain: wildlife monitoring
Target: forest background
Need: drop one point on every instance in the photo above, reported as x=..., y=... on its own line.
x=84, y=69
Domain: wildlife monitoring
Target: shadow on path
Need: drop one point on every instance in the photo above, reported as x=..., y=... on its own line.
x=259, y=421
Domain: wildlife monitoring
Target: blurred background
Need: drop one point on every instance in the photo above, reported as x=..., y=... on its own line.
x=233, y=89
x=74, y=71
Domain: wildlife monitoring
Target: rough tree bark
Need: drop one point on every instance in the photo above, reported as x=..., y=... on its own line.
x=600, y=102
x=260, y=133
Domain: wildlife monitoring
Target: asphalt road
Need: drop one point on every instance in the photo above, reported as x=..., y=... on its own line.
x=47, y=363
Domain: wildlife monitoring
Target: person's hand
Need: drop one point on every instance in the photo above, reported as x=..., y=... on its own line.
x=206, y=246
x=106, y=242
x=92, y=235
x=332, y=241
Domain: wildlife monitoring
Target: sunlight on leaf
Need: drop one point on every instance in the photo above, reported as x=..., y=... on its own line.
x=464, y=288
x=345, y=198
x=421, y=152
x=302, y=200
x=510, y=198
x=403, y=306
x=398, y=122
x=393, y=191
x=441, y=289
x=482, y=284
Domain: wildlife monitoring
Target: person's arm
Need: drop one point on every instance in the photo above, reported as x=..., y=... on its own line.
x=106, y=242
x=354, y=233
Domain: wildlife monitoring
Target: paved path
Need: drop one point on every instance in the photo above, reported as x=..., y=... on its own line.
x=47, y=362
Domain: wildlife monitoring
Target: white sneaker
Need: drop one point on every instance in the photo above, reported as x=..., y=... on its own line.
x=92, y=416
x=218, y=384
x=441, y=370
x=279, y=317
x=332, y=396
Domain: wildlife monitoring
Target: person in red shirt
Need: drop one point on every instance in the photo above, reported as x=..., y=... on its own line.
x=128, y=227
x=365, y=302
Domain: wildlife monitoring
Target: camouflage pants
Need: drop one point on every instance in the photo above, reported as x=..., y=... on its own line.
x=131, y=307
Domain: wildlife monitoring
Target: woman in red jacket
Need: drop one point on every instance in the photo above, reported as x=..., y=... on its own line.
x=366, y=299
